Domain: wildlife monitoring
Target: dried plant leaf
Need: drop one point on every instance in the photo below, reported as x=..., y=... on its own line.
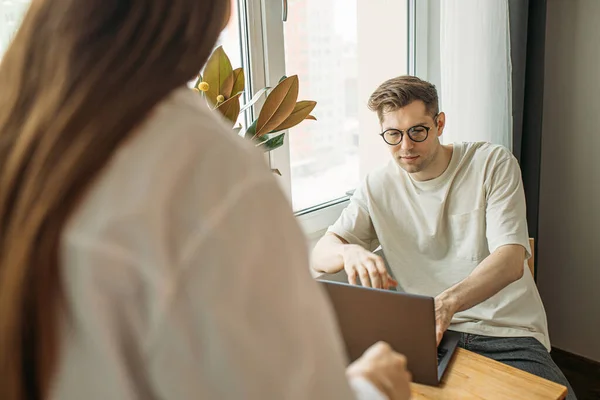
x=227, y=86
x=311, y=117
x=239, y=81
x=276, y=171
x=217, y=70
x=230, y=108
x=278, y=106
x=301, y=110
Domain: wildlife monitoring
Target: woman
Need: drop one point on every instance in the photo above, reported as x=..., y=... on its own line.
x=134, y=260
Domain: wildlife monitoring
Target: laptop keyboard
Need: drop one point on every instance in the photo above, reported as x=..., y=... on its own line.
x=441, y=352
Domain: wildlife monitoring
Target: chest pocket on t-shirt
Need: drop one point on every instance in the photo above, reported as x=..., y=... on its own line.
x=467, y=235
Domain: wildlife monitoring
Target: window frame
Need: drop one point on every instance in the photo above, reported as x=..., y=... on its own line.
x=267, y=61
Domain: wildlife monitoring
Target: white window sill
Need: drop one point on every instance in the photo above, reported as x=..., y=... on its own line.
x=315, y=223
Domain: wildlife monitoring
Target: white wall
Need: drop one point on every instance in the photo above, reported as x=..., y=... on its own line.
x=569, y=238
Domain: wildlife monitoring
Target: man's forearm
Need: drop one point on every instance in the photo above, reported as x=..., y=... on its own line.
x=498, y=270
x=327, y=256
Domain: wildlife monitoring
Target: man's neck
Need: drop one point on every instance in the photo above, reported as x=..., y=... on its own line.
x=437, y=166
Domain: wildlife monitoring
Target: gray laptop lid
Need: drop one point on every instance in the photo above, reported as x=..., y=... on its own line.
x=405, y=321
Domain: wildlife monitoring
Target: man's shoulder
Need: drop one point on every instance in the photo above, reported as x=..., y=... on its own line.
x=378, y=183
x=485, y=153
x=485, y=162
x=383, y=176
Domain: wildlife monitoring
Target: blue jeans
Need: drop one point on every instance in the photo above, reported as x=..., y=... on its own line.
x=524, y=353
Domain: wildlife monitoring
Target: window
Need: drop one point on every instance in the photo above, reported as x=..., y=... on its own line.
x=231, y=37
x=321, y=48
x=11, y=13
x=341, y=51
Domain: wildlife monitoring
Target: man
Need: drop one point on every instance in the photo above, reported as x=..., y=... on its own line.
x=451, y=222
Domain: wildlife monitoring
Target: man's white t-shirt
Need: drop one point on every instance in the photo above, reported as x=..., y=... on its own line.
x=185, y=276
x=435, y=233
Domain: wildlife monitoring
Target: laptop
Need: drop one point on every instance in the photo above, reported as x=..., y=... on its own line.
x=405, y=321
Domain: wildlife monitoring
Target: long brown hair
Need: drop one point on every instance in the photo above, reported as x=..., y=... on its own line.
x=77, y=80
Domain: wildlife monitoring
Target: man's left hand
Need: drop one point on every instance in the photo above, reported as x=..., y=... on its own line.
x=444, y=311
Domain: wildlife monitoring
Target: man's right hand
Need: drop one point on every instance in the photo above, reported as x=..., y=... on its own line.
x=385, y=369
x=369, y=267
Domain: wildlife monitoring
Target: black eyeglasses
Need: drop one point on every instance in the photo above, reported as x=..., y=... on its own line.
x=418, y=133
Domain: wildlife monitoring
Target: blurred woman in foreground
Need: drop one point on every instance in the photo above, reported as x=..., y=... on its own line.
x=145, y=251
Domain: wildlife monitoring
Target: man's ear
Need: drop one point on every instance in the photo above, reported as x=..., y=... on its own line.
x=441, y=123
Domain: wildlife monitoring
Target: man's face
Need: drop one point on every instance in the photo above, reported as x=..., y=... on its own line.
x=413, y=156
